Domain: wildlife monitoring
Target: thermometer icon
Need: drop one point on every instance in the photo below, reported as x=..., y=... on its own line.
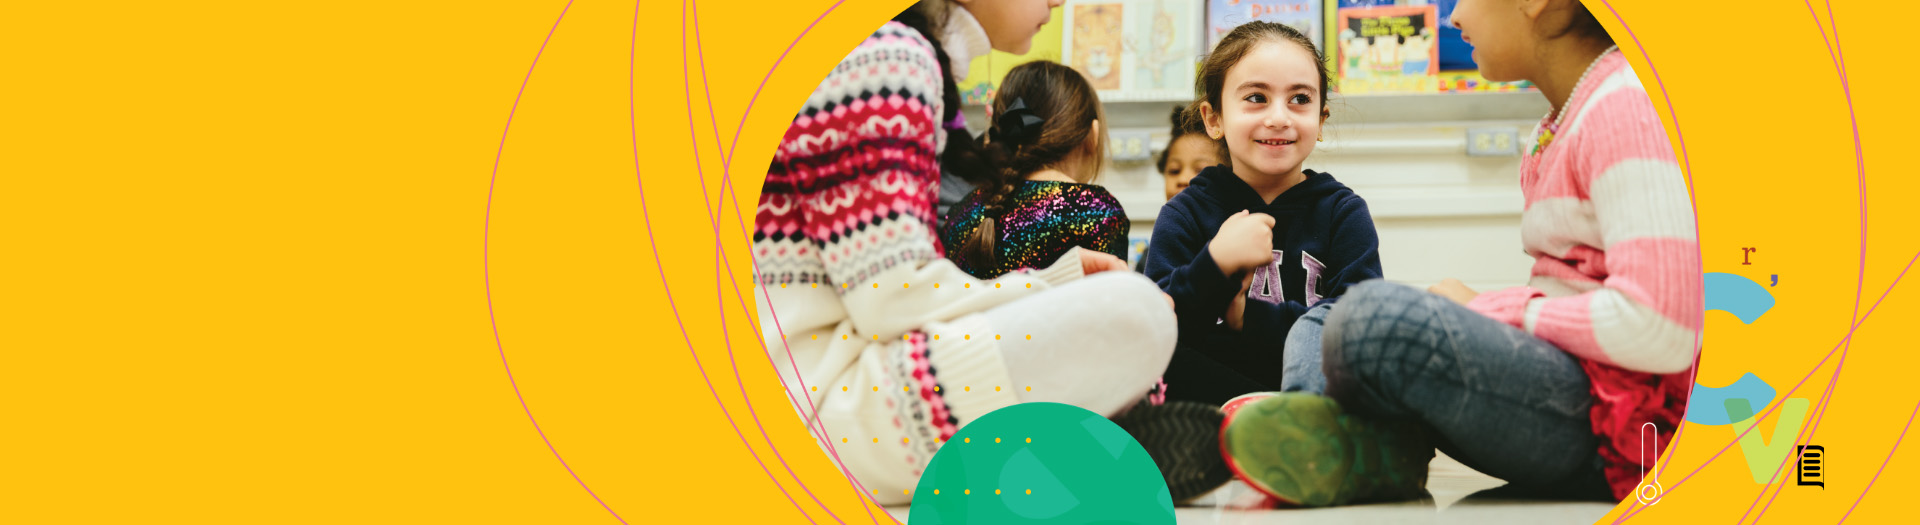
x=1650, y=490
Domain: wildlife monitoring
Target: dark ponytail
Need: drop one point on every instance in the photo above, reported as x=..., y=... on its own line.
x=1042, y=115
x=962, y=155
x=1182, y=126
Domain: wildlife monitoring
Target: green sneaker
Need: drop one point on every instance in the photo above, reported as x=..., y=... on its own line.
x=1301, y=449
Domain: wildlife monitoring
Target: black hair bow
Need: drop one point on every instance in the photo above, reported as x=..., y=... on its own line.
x=1017, y=125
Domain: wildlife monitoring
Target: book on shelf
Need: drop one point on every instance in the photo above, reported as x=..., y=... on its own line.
x=1134, y=49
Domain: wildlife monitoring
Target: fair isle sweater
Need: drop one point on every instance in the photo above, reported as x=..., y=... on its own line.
x=1617, y=278
x=884, y=350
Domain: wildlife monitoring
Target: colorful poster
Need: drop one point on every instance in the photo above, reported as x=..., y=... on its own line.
x=1224, y=15
x=1455, y=54
x=1163, y=41
x=1388, y=50
x=1135, y=49
x=1096, y=41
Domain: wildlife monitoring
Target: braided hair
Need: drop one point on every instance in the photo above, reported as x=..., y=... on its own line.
x=1044, y=114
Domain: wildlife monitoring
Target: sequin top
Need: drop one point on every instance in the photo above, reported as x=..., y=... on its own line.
x=1041, y=220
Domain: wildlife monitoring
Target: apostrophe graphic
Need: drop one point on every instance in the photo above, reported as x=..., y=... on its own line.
x=1079, y=467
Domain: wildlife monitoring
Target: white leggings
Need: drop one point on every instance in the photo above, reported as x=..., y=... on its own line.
x=1099, y=343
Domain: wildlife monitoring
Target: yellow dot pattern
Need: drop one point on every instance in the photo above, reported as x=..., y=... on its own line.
x=967, y=492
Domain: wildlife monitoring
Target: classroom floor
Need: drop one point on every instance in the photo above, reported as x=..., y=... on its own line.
x=1449, y=481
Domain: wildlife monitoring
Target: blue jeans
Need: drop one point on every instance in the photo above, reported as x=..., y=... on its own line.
x=1494, y=397
x=1300, y=362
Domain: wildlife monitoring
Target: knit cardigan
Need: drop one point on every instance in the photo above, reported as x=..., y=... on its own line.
x=879, y=338
x=1617, y=278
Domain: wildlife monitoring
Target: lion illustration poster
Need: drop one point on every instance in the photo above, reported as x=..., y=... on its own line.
x=1097, y=42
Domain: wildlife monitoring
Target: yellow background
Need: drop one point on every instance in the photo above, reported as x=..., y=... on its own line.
x=244, y=282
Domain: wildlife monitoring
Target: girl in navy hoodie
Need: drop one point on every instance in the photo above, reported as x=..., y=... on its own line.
x=1256, y=250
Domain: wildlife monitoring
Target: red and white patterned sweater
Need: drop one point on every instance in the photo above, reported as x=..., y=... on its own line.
x=1616, y=277
x=884, y=349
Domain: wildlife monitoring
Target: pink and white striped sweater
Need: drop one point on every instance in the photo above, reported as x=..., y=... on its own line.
x=1617, y=278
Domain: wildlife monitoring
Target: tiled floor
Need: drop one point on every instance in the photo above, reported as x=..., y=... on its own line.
x=1448, y=481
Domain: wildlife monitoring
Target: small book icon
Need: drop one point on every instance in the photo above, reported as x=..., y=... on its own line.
x=1810, y=462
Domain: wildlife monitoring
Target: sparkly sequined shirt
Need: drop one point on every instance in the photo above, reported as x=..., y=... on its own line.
x=1040, y=221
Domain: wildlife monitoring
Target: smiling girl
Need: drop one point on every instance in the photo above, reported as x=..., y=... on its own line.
x=1260, y=243
x=1550, y=385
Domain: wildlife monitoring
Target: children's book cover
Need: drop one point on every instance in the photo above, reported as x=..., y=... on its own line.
x=1388, y=50
x=1163, y=40
x=1135, y=49
x=1096, y=41
x=985, y=72
x=1304, y=15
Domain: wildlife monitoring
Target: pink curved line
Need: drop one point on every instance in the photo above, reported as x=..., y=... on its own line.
x=1838, y=56
x=726, y=170
x=719, y=249
x=724, y=260
x=1789, y=392
x=1769, y=490
x=826, y=440
x=654, y=245
x=486, y=275
x=1673, y=445
x=1883, y=464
